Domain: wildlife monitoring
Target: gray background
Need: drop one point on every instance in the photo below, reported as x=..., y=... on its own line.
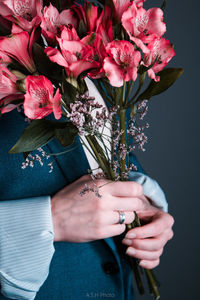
x=172, y=155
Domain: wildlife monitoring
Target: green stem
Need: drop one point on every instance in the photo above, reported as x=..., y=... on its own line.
x=124, y=94
x=122, y=117
x=100, y=156
x=149, y=274
x=141, y=82
x=129, y=89
x=152, y=284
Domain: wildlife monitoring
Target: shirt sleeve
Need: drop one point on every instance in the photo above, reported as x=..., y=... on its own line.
x=151, y=189
x=26, y=248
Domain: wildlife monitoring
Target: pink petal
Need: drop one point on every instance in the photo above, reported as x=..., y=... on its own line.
x=91, y=13
x=140, y=44
x=80, y=66
x=113, y=72
x=9, y=108
x=152, y=75
x=39, y=91
x=156, y=24
x=57, y=105
x=67, y=17
x=16, y=47
x=55, y=56
x=120, y=7
x=69, y=34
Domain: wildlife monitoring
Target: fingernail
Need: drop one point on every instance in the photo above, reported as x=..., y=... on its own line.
x=130, y=235
x=130, y=251
x=143, y=264
x=127, y=242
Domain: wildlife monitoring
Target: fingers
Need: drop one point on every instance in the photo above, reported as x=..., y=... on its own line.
x=152, y=244
x=129, y=217
x=144, y=255
x=125, y=203
x=161, y=221
x=112, y=217
x=108, y=231
x=149, y=264
x=124, y=189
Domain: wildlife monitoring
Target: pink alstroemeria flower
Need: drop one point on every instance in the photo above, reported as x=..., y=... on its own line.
x=25, y=13
x=104, y=26
x=4, y=59
x=52, y=21
x=122, y=62
x=164, y=51
x=19, y=47
x=143, y=26
x=7, y=83
x=8, y=90
x=76, y=57
x=40, y=100
x=120, y=7
x=88, y=14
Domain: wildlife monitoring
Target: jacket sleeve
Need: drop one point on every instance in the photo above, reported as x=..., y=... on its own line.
x=26, y=247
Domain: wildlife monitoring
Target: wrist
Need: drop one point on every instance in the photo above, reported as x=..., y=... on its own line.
x=56, y=222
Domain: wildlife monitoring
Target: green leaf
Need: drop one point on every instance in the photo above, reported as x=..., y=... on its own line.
x=167, y=78
x=164, y=5
x=66, y=135
x=82, y=30
x=36, y=135
x=133, y=110
x=43, y=64
x=69, y=91
x=82, y=86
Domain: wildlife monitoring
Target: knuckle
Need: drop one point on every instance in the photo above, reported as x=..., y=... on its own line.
x=156, y=246
x=153, y=229
x=130, y=217
x=170, y=220
x=160, y=252
x=122, y=228
x=137, y=188
x=155, y=263
x=171, y=234
x=136, y=243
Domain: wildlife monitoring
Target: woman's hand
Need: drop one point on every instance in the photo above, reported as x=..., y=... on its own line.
x=147, y=242
x=86, y=218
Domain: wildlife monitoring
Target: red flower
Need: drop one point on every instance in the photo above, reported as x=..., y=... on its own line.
x=8, y=90
x=39, y=99
x=143, y=26
x=87, y=14
x=25, y=13
x=122, y=62
x=163, y=51
x=52, y=21
x=19, y=47
x=76, y=56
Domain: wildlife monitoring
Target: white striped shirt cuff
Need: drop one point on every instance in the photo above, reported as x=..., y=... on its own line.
x=26, y=248
x=151, y=189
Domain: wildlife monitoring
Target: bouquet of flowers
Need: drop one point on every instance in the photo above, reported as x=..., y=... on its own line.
x=47, y=53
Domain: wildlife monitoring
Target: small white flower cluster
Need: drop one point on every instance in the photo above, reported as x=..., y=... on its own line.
x=135, y=130
x=88, y=115
x=32, y=159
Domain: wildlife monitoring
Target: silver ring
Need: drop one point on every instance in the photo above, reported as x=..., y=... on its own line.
x=121, y=217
